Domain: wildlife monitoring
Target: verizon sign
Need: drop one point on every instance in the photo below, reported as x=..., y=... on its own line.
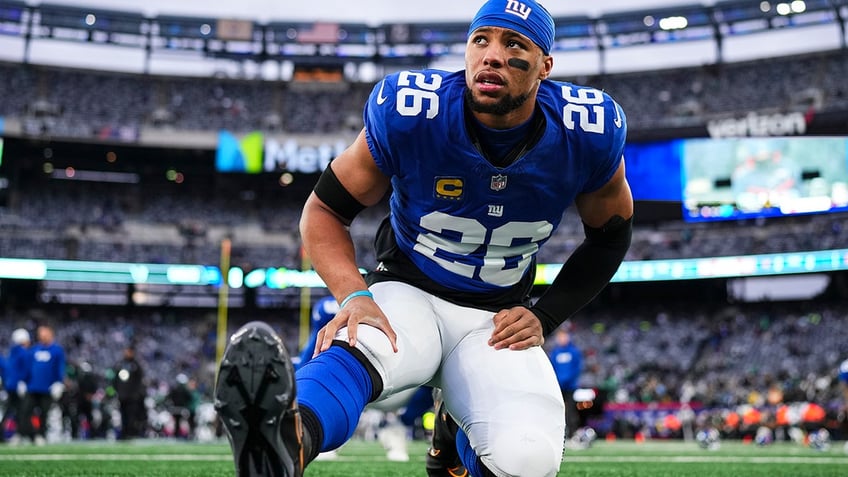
x=790, y=124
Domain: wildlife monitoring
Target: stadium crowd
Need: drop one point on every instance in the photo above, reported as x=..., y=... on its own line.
x=61, y=102
x=644, y=361
x=129, y=222
x=114, y=223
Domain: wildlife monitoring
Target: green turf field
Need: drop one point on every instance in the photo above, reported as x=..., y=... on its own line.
x=361, y=459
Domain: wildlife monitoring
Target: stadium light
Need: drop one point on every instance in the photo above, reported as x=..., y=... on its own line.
x=674, y=23
x=793, y=263
x=235, y=277
x=255, y=278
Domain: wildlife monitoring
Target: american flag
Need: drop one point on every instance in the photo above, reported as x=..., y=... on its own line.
x=319, y=33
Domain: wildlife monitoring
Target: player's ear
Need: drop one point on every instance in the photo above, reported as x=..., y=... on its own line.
x=547, y=67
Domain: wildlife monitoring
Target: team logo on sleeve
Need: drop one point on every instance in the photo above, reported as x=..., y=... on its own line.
x=617, y=119
x=380, y=98
x=449, y=188
x=498, y=182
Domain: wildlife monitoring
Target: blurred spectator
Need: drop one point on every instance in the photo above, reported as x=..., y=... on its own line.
x=324, y=310
x=567, y=360
x=843, y=409
x=181, y=402
x=45, y=385
x=130, y=387
x=15, y=370
x=84, y=388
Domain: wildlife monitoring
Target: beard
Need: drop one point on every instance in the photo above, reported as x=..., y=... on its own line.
x=501, y=107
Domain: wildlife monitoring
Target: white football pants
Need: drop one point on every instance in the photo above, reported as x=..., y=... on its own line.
x=508, y=402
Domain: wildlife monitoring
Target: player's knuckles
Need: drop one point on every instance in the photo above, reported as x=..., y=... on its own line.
x=503, y=318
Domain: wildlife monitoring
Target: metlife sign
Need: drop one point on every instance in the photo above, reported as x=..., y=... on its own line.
x=254, y=153
x=293, y=157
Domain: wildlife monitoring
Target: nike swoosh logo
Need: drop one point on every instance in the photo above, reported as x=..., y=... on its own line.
x=617, y=119
x=380, y=98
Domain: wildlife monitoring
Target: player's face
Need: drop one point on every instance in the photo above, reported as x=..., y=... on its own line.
x=503, y=69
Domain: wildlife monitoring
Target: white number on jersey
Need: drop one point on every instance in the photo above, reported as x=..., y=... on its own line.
x=587, y=99
x=425, y=89
x=499, y=247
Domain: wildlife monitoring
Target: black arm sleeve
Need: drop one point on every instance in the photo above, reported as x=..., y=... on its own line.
x=332, y=192
x=586, y=272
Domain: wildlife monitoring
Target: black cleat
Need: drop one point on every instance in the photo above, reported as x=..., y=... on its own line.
x=442, y=457
x=255, y=400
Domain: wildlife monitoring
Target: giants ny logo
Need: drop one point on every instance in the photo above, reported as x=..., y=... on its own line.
x=518, y=8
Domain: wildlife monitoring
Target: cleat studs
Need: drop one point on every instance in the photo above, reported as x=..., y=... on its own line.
x=254, y=334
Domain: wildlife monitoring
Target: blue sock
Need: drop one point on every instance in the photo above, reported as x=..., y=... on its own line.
x=336, y=387
x=467, y=455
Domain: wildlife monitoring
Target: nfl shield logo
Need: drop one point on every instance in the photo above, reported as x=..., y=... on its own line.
x=498, y=182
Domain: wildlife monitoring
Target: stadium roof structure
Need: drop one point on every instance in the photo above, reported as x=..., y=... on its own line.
x=251, y=34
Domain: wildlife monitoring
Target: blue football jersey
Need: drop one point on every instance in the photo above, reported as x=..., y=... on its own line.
x=465, y=223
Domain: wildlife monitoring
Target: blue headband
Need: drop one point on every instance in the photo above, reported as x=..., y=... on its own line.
x=525, y=16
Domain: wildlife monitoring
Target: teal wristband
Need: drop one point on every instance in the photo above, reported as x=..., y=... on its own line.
x=354, y=295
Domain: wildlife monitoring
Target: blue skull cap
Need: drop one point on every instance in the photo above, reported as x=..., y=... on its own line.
x=527, y=17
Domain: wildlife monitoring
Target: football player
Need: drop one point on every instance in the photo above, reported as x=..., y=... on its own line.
x=482, y=164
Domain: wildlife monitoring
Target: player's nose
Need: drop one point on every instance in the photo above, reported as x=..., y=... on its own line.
x=494, y=56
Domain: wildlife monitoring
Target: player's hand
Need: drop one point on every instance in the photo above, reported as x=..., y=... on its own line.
x=516, y=328
x=362, y=310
